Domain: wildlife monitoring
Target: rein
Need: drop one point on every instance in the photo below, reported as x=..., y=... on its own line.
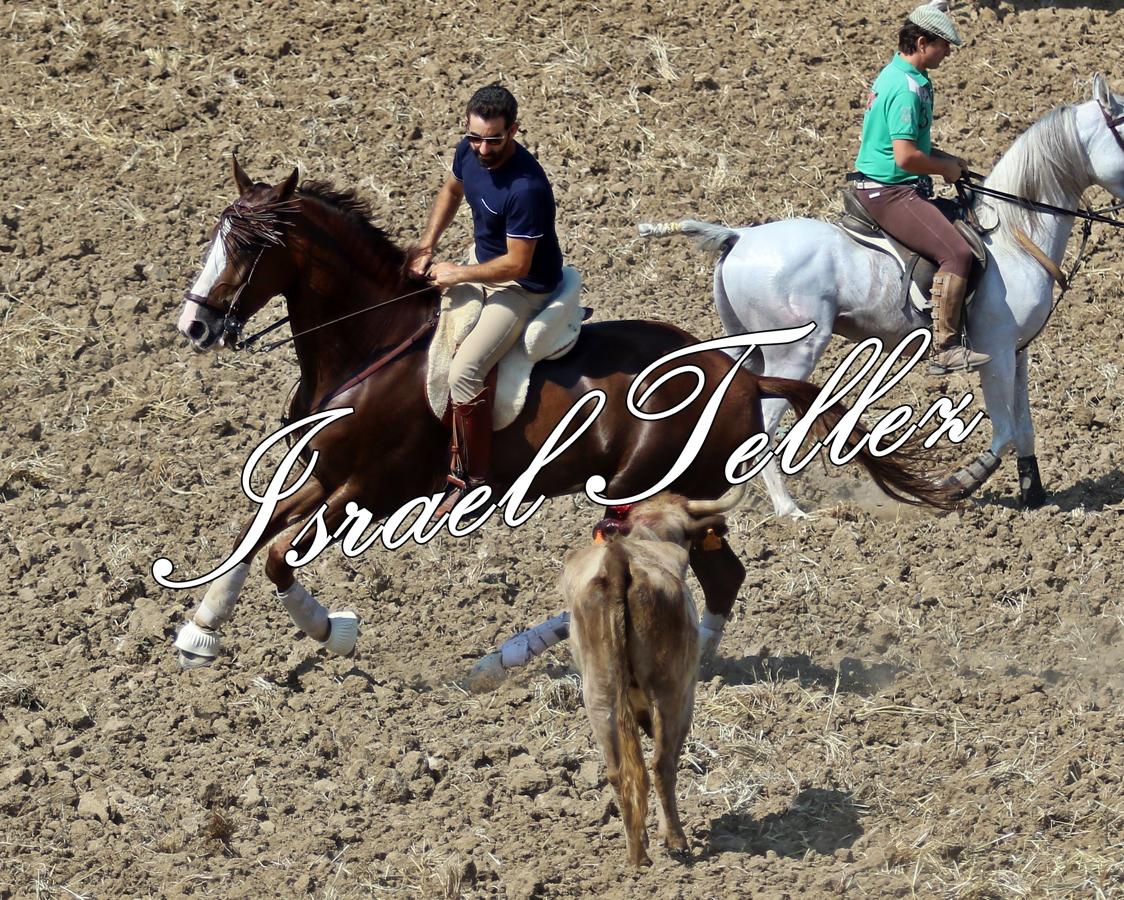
x=973, y=182
x=248, y=343
x=385, y=359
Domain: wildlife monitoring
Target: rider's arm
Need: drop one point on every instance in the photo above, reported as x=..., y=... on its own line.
x=516, y=263
x=907, y=156
x=444, y=208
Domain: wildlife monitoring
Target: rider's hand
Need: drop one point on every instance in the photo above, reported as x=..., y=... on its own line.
x=953, y=169
x=419, y=259
x=445, y=274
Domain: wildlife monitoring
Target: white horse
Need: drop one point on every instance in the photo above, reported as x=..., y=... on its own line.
x=802, y=270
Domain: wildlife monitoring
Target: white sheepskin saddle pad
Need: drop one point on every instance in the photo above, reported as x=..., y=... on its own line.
x=549, y=335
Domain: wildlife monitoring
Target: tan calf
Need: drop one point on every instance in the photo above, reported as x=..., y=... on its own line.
x=634, y=631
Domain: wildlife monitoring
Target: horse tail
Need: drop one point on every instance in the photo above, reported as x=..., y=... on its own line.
x=709, y=237
x=900, y=474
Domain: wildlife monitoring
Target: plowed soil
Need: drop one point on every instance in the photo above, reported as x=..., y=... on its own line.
x=906, y=702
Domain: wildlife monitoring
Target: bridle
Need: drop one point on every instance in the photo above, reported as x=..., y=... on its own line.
x=232, y=325
x=265, y=232
x=1114, y=124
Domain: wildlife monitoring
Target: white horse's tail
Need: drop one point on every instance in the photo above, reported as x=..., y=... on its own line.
x=715, y=238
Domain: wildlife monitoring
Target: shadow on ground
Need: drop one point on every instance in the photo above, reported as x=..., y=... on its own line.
x=820, y=820
x=853, y=675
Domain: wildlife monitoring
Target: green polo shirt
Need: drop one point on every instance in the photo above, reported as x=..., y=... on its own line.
x=899, y=107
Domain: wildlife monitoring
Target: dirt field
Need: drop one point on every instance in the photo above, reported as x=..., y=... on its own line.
x=907, y=703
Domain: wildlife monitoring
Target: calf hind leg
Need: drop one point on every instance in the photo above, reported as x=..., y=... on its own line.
x=671, y=722
x=621, y=750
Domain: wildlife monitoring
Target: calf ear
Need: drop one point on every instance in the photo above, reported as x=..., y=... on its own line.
x=700, y=528
x=241, y=180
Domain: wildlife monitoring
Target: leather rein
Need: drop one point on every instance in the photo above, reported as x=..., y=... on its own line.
x=973, y=181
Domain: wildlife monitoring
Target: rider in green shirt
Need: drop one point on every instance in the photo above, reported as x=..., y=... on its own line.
x=895, y=160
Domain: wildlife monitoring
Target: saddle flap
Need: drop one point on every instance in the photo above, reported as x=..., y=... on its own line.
x=975, y=242
x=555, y=330
x=856, y=216
x=549, y=335
x=917, y=270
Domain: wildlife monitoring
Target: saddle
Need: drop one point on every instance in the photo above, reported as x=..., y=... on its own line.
x=549, y=335
x=917, y=271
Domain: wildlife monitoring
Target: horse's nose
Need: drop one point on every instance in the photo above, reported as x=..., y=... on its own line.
x=196, y=331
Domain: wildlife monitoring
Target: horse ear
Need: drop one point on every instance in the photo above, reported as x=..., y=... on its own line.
x=1102, y=93
x=241, y=179
x=285, y=190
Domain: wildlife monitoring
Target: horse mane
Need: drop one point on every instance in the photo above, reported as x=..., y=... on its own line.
x=1047, y=162
x=365, y=242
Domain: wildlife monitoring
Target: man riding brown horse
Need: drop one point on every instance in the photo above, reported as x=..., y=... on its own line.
x=361, y=326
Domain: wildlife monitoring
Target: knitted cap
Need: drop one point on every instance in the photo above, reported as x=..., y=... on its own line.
x=934, y=18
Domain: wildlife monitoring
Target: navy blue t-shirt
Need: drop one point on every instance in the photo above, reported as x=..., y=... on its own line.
x=514, y=200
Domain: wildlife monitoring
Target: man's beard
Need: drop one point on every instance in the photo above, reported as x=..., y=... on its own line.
x=488, y=163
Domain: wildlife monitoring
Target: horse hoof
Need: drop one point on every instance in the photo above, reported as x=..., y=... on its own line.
x=189, y=661
x=486, y=675
x=197, y=646
x=956, y=489
x=1033, y=499
x=343, y=633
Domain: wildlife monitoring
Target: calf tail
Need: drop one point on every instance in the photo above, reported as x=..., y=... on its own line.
x=899, y=474
x=632, y=785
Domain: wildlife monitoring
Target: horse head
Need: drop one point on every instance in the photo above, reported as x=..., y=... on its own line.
x=246, y=264
x=1105, y=143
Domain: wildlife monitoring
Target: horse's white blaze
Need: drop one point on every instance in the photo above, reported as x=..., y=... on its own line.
x=214, y=265
x=187, y=315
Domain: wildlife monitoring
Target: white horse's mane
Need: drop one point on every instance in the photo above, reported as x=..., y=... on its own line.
x=1047, y=163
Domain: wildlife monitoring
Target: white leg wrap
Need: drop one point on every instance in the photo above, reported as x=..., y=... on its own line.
x=711, y=627
x=345, y=632
x=308, y=615
x=492, y=669
x=525, y=646
x=201, y=645
x=218, y=602
x=313, y=619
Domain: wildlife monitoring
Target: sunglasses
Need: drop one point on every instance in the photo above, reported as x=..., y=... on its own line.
x=493, y=140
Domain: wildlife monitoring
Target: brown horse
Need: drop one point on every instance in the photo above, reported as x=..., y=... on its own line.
x=361, y=326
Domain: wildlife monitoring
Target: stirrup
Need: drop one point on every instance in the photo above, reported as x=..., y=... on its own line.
x=455, y=490
x=966, y=360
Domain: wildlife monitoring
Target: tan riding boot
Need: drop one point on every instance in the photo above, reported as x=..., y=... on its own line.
x=471, y=450
x=948, y=353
